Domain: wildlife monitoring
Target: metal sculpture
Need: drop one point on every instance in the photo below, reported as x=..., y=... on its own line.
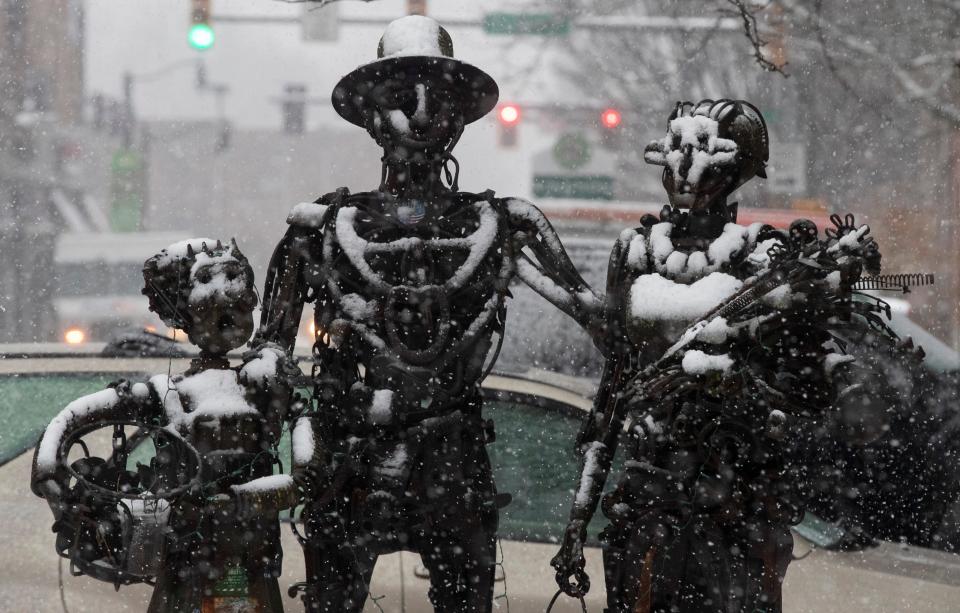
x=409, y=284
x=200, y=520
x=731, y=375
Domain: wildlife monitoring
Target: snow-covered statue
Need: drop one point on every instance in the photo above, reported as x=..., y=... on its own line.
x=200, y=519
x=409, y=284
x=729, y=383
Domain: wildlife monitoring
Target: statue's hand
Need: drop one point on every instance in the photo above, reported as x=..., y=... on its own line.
x=268, y=364
x=569, y=561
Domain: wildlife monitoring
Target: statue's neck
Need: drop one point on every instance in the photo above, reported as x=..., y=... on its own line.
x=705, y=224
x=408, y=179
x=208, y=361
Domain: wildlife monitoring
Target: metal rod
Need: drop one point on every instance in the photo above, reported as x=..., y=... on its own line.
x=586, y=23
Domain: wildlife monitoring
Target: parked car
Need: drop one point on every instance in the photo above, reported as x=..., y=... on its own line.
x=536, y=413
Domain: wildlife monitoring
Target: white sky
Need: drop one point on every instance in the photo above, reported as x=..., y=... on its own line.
x=256, y=61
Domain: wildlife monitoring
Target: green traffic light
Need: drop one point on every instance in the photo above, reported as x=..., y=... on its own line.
x=200, y=36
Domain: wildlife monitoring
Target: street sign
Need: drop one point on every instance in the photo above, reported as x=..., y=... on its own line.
x=573, y=168
x=592, y=187
x=320, y=24
x=541, y=24
x=127, y=189
x=787, y=170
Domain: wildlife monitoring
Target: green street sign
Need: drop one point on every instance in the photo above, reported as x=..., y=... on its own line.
x=127, y=189
x=583, y=187
x=540, y=24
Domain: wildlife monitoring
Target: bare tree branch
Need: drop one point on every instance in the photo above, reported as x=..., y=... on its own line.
x=909, y=85
x=752, y=32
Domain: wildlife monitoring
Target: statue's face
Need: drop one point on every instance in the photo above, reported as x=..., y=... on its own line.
x=418, y=119
x=221, y=304
x=698, y=166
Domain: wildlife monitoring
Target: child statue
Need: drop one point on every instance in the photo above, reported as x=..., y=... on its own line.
x=209, y=500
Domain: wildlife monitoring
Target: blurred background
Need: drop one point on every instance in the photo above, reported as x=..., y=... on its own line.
x=126, y=126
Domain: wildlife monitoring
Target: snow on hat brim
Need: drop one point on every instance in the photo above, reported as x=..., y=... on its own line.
x=415, y=49
x=479, y=92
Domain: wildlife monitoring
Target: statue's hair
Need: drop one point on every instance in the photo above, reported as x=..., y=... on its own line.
x=739, y=121
x=168, y=280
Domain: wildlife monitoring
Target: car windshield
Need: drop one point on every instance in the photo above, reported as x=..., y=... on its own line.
x=646, y=291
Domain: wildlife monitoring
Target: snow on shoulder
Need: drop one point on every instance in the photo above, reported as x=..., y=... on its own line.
x=307, y=214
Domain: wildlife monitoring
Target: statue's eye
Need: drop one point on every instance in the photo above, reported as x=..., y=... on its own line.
x=204, y=276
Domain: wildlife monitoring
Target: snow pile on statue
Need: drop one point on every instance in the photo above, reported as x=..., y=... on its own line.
x=201, y=519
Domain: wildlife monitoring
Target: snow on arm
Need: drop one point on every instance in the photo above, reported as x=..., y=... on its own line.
x=699, y=363
x=264, y=485
x=524, y=213
x=589, y=474
x=84, y=410
x=302, y=442
x=381, y=407
x=530, y=274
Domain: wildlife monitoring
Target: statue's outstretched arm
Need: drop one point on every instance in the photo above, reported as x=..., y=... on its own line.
x=121, y=401
x=543, y=264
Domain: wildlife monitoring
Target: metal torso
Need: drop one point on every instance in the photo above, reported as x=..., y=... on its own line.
x=682, y=273
x=414, y=293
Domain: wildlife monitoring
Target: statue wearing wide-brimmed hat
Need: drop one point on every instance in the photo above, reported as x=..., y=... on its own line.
x=410, y=283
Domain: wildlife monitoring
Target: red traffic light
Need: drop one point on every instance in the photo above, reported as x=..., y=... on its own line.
x=509, y=114
x=610, y=118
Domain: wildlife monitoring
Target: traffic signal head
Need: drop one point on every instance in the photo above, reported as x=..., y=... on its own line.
x=200, y=35
x=610, y=118
x=509, y=114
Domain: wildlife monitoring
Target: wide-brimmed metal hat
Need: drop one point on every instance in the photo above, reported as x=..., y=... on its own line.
x=415, y=49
